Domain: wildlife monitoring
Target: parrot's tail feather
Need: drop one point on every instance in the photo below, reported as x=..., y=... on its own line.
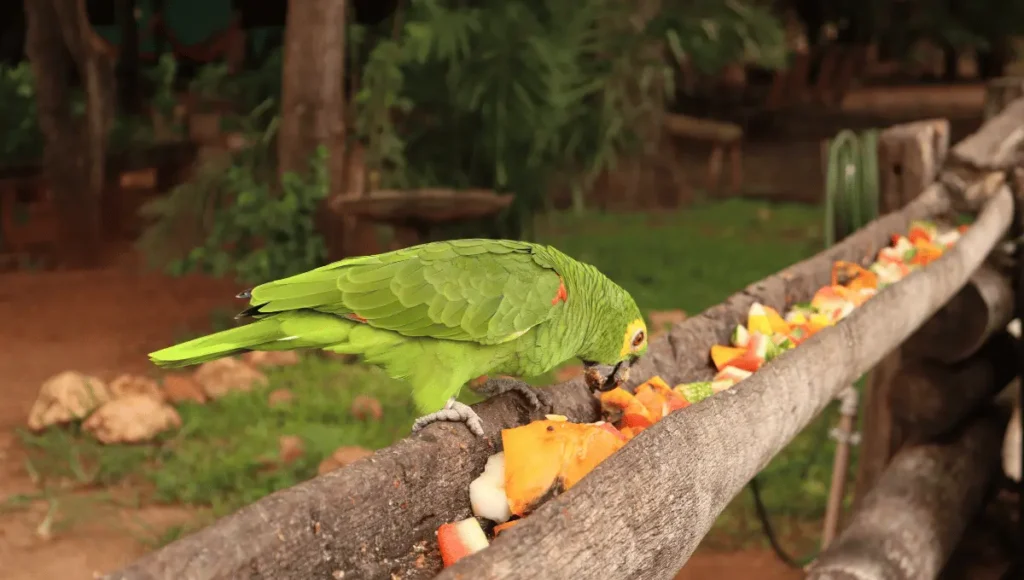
x=219, y=344
x=285, y=331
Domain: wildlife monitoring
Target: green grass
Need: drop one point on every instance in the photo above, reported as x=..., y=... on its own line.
x=224, y=456
x=226, y=453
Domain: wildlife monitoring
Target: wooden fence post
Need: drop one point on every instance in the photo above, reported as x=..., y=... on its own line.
x=1001, y=92
x=909, y=159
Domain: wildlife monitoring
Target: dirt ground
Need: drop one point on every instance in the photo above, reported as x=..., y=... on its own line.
x=103, y=323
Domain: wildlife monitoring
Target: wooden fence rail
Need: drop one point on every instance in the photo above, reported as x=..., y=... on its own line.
x=642, y=512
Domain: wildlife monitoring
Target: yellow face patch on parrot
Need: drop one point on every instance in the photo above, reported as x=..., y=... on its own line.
x=635, y=337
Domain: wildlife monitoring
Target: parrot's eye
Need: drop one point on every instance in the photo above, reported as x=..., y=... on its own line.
x=638, y=338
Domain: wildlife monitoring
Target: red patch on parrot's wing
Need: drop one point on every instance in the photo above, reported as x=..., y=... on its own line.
x=562, y=294
x=355, y=317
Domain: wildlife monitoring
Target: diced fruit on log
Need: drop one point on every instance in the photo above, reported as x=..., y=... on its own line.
x=634, y=413
x=487, y=492
x=731, y=375
x=654, y=395
x=757, y=320
x=545, y=458
x=502, y=527
x=853, y=276
x=755, y=354
x=460, y=539
x=722, y=355
x=695, y=392
x=740, y=336
x=776, y=322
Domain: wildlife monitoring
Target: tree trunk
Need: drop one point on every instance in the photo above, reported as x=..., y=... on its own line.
x=128, y=63
x=75, y=152
x=312, y=101
x=312, y=108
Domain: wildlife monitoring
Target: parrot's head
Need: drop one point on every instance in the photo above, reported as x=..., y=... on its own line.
x=607, y=364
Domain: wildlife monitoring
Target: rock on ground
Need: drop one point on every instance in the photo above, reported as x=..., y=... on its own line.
x=227, y=375
x=65, y=397
x=179, y=388
x=131, y=419
x=271, y=358
x=126, y=384
x=290, y=448
x=366, y=407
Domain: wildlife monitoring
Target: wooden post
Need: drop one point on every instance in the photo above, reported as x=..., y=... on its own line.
x=909, y=158
x=1001, y=92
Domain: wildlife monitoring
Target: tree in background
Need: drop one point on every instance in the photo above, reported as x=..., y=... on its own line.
x=59, y=38
x=505, y=95
x=312, y=103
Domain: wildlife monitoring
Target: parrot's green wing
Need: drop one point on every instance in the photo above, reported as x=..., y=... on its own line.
x=484, y=291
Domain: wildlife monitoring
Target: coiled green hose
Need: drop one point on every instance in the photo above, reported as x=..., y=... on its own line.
x=851, y=184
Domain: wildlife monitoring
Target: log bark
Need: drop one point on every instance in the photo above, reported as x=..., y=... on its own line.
x=933, y=399
x=644, y=510
x=998, y=146
x=999, y=93
x=957, y=331
x=909, y=157
x=378, y=516
x=910, y=522
x=75, y=152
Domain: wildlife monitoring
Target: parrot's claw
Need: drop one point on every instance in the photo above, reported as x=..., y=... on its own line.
x=454, y=412
x=537, y=398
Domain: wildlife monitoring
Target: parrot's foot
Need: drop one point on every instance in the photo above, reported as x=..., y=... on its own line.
x=454, y=412
x=537, y=398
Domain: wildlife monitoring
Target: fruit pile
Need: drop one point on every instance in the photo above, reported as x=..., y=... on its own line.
x=544, y=458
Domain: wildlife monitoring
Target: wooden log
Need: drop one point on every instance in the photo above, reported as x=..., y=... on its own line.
x=987, y=549
x=702, y=129
x=909, y=158
x=957, y=331
x=645, y=509
x=932, y=399
x=379, y=515
x=999, y=93
x=909, y=523
x=998, y=145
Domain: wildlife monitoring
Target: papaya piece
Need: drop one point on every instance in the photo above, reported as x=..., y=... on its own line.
x=502, y=527
x=545, y=458
x=672, y=398
x=853, y=276
x=721, y=355
x=654, y=401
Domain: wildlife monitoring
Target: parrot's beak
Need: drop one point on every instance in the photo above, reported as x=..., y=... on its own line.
x=605, y=378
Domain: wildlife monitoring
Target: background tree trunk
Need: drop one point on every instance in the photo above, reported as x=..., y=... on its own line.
x=312, y=101
x=75, y=154
x=312, y=108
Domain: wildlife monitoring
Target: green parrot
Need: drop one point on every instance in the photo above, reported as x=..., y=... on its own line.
x=440, y=314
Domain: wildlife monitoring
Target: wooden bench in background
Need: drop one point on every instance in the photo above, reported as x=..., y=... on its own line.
x=726, y=140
